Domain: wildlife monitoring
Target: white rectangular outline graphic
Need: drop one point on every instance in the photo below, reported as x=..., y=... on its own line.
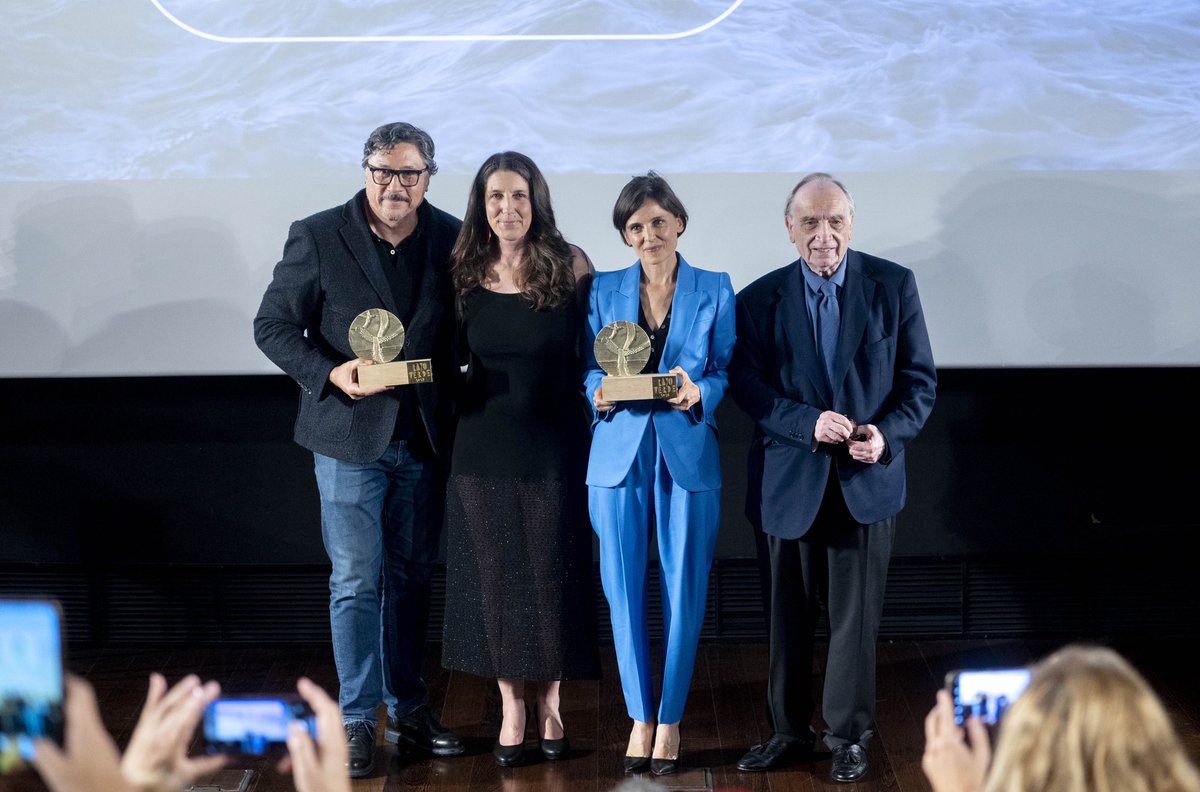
x=450, y=37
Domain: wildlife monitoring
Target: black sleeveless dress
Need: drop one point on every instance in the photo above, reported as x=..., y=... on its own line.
x=519, y=585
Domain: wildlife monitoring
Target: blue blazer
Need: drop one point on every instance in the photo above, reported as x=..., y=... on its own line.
x=700, y=341
x=883, y=375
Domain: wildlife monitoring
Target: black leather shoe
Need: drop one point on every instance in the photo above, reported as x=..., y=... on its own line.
x=361, y=737
x=508, y=755
x=554, y=749
x=551, y=749
x=779, y=751
x=512, y=755
x=637, y=764
x=661, y=767
x=421, y=730
x=849, y=763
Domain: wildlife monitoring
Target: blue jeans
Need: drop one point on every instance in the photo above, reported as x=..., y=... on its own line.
x=380, y=517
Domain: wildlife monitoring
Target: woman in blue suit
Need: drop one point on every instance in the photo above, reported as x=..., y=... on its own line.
x=653, y=464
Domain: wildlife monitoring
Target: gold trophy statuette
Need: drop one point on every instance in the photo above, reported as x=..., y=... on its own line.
x=378, y=335
x=622, y=350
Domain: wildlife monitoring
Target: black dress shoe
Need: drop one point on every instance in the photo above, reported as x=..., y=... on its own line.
x=554, y=749
x=661, y=767
x=551, y=749
x=360, y=735
x=637, y=764
x=508, y=755
x=779, y=751
x=849, y=763
x=421, y=730
x=512, y=755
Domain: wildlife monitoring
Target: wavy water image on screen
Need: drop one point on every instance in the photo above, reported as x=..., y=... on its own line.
x=855, y=86
x=156, y=151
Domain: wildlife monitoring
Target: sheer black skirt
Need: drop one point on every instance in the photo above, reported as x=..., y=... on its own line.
x=519, y=579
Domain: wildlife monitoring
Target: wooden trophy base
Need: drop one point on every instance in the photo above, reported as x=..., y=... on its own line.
x=640, y=386
x=401, y=372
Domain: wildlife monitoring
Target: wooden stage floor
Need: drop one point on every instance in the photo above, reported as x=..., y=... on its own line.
x=724, y=714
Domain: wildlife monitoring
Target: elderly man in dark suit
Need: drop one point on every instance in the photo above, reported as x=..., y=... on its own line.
x=833, y=363
x=379, y=452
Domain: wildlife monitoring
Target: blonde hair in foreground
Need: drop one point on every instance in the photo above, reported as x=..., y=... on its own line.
x=1088, y=722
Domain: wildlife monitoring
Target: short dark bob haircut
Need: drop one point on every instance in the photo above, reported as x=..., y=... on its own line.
x=641, y=189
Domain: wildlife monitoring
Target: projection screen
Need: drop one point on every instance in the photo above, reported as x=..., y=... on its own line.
x=1037, y=164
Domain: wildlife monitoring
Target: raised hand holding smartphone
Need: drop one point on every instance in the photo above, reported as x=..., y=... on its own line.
x=31, y=678
x=255, y=725
x=985, y=693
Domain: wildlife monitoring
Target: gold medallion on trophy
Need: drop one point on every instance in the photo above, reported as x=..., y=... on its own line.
x=622, y=350
x=378, y=336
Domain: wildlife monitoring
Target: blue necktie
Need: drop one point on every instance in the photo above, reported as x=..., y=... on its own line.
x=829, y=317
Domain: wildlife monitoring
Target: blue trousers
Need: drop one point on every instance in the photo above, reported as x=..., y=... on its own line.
x=686, y=526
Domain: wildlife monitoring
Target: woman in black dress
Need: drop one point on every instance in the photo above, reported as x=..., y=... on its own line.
x=519, y=553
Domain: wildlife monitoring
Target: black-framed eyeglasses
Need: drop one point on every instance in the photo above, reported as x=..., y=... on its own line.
x=383, y=176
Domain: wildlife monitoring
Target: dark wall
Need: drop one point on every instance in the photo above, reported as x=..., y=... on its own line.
x=200, y=470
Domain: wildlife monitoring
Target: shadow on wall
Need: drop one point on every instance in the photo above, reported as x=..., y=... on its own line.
x=91, y=257
x=1121, y=287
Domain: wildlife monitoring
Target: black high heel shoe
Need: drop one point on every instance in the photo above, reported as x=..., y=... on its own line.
x=511, y=755
x=636, y=764
x=552, y=749
x=661, y=767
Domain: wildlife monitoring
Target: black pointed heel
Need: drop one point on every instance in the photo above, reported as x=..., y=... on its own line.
x=661, y=767
x=636, y=764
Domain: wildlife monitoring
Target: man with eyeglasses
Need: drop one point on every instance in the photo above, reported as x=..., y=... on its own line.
x=833, y=364
x=379, y=453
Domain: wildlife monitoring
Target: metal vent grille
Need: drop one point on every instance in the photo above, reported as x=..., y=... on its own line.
x=926, y=597
x=1032, y=596
x=149, y=605
x=276, y=606
x=735, y=593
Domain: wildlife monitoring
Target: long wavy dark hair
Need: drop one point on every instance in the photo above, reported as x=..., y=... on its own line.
x=547, y=278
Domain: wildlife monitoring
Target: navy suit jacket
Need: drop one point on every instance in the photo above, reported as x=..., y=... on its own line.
x=700, y=341
x=329, y=274
x=883, y=375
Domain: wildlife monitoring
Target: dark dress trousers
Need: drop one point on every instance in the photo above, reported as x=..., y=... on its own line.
x=825, y=521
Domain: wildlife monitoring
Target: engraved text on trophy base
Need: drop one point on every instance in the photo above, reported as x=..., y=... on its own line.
x=402, y=372
x=640, y=386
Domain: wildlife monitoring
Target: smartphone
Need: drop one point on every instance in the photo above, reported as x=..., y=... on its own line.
x=31, y=678
x=254, y=725
x=985, y=694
